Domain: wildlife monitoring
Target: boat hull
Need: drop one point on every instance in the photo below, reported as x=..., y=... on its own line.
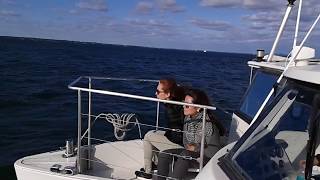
x=24, y=173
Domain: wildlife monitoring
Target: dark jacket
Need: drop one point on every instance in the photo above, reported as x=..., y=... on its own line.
x=174, y=114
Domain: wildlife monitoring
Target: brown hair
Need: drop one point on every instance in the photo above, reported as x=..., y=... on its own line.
x=170, y=86
x=200, y=97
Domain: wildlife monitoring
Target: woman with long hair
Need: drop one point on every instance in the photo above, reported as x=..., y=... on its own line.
x=192, y=131
x=167, y=89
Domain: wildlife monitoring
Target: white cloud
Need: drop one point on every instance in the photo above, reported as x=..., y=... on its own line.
x=10, y=2
x=262, y=21
x=270, y=5
x=149, y=23
x=7, y=13
x=220, y=3
x=94, y=5
x=170, y=5
x=150, y=27
x=144, y=7
x=211, y=25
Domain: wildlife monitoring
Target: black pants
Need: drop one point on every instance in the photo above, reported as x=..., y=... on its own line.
x=180, y=166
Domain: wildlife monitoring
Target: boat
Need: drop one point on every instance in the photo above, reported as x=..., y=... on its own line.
x=270, y=134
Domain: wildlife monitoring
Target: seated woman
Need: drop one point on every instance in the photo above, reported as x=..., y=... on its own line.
x=167, y=89
x=191, y=136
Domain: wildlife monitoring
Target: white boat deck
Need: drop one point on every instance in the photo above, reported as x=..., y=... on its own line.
x=115, y=160
x=123, y=157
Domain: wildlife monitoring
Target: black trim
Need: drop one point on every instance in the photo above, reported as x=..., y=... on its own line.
x=227, y=167
x=291, y=2
x=243, y=116
x=305, y=84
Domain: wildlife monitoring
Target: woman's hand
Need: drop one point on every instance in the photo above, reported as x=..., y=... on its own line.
x=191, y=147
x=302, y=163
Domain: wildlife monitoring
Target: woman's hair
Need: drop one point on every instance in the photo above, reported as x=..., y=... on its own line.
x=200, y=97
x=170, y=86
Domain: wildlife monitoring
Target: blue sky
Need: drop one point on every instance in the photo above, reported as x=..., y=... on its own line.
x=217, y=25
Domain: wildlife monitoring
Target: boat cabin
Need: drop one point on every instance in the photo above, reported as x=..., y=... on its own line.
x=283, y=142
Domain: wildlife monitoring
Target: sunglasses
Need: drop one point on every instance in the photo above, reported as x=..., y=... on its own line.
x=158, y=91
x=187, y=106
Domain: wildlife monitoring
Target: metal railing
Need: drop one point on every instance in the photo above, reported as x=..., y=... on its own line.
x=90, y=90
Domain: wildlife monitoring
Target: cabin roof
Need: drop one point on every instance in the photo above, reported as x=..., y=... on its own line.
x=271, y=65
x=309, y=72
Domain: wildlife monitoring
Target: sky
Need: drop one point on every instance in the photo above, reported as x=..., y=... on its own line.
x=241, y=26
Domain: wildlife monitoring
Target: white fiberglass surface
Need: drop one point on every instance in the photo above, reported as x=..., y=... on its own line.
x=115, y=160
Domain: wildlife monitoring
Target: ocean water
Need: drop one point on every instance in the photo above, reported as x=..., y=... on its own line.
x=38, y=112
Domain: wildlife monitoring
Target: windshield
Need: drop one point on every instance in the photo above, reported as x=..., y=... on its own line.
x=257, y=92
x=277, y=146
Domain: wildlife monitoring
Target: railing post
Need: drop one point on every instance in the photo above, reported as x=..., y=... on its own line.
x=79, y=133
x=251, y=73
x=158, y=109
x=203, y=134
x=89, y=125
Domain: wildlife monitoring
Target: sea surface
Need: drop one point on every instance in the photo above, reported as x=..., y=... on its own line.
x=38, y=111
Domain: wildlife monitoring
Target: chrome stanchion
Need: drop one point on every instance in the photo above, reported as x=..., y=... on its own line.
x=89, y=125
x=203, y=134
x=79, y=132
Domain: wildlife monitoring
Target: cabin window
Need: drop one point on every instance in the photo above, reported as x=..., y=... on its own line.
x=257, y=92
x=279, y=144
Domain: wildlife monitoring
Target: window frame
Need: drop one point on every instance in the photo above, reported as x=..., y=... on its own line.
x=238, y=111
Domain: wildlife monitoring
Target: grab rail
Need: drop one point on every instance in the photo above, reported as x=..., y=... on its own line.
x=112, y=93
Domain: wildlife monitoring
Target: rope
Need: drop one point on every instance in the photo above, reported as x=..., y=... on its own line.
x=140, y=124
x=119, y=123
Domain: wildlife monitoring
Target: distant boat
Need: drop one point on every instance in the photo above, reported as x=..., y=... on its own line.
x=204, y=51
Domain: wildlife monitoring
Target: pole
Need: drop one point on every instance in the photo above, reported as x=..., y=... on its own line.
x=79, y=132
x=203, y=134
x=297, y=25
x=89, y=126
x=284, y=21
x=158, y=109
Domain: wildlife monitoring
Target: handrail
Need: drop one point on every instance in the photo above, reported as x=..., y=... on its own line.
x=120, y=79
x=112, y=93
x=74, y=82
